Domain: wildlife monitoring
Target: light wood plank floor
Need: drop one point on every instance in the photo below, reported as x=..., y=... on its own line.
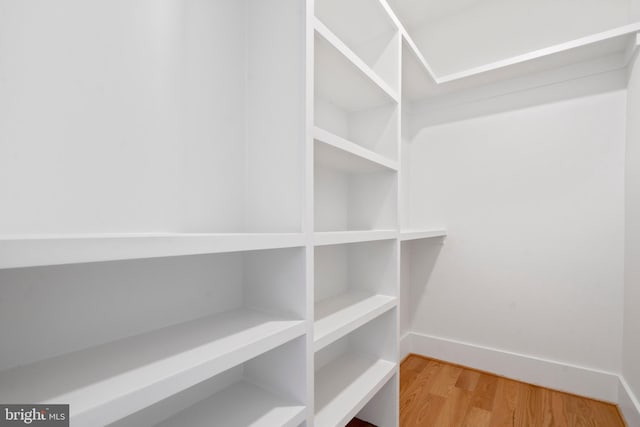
x=439, y=394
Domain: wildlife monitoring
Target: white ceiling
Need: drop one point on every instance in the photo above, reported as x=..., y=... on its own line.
x=416, y=13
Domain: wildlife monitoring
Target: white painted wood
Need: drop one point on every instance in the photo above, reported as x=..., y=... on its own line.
x=368, y=30
x=345, y=385
x=337, y=316
x=242, y=404
x=336, y=152
x=340, y=237
x=628, y=403
x=422, y=234
x=109, y=382
x=383, y=409
x=37, y=250
x=338, y=61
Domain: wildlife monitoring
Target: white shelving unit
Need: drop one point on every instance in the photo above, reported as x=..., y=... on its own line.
x=350, y=371
x=422, y=234
x=108, y=382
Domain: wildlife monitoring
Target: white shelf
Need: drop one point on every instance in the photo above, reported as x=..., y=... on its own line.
x=422, y=234
x=338, y=153
x=340, y=237
x=343, y=78
x=108, y=382
x=345, y=385
x=28, y=251
x=592, y=54
x=337, y=316
x=240, y=405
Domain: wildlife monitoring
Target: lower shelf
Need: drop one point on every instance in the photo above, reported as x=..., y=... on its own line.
x=109, y=382
x=240, y=405
x=346, y=384
x=337, y=316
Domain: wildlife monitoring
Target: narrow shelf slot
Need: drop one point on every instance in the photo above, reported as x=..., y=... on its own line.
x=350, y=100
x=29, y=251
x=333, y=52
x=340, y=315
x=374, y=39
x=111, y=381
x=338, y=153
x=346, y=384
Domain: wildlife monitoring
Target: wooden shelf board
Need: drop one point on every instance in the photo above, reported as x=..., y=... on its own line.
x=339, y=153
x=340, y=315
x=29, y=251
x=422, y=234
x=239, y=405
x=346, y=384
x=343, y=78
x=106, y=383
x=323, y=238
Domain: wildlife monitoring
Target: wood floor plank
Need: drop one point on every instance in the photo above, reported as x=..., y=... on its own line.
x=438, y=394
x=477, y=417
x=468, y=380
x=444, y=382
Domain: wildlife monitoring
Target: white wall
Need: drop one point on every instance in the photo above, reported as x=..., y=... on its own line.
x=491, y=30
x=533, y=202
x=631, y=346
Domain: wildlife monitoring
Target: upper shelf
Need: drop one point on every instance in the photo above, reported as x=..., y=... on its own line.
x=345, y=80
x=28, y=251
x=592, y=54
x=339, y=153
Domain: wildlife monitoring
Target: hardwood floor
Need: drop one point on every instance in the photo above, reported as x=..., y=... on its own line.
x=439, y=394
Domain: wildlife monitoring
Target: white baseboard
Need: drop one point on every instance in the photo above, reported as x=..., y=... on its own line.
x=574, y=379
x=628, y=403
x=405, y=346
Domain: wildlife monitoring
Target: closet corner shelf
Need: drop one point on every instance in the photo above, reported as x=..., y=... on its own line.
x=241, y=404
x=323, y=238
x=345, y=385
x=109, y=382
x=40, y=250
x=340, y=315
x=422, y=234
x=342, y=154
x=354, y=60
x=595, y=53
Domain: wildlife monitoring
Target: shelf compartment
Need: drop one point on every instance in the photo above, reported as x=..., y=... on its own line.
x=338, y=153
x=340, y=315
x=350, y=101
x=179, y=321
x=422, y=234
x=374, y=40
x=350, y=201
x=106, y=383
x=29, y=251
x=350, y=371
x=346, y=385
x=268, y=390
x=342, y=237
x=354, y=284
